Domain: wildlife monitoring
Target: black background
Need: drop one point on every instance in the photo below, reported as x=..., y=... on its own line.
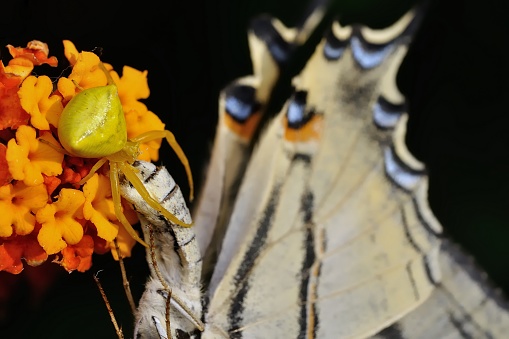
x=455, y=78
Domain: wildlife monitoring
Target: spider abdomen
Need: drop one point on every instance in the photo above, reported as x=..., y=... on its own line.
x=92, y=124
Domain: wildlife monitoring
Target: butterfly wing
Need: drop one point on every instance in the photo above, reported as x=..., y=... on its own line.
x=330, y=235
x=242, y=105
x=464, y=305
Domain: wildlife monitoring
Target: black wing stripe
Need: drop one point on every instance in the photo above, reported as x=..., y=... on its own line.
x=308, y=316
x=237, y=302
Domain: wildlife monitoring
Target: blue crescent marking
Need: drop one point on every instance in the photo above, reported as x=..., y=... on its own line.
x=368, y=59
x=384, y=118
x=295, y=112
x=333, y=53
x=407, y=180
x=237, y=108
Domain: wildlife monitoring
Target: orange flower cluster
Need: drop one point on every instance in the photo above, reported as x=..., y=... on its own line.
x=45, y=212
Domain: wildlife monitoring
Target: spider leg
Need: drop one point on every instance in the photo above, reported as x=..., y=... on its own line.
x=138, y=185
x=94, y=169
x=107, y=73
x=55, y=147
x=152, y=135
x=115, y=193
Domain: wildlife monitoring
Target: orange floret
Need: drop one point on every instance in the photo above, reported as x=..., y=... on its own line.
x=36, y=98
x=28, y=158
x=140, y=121
x=86, y=72
x=17, y=203
x=99, y=207
x=36, y=52
x=79, y=256
x=12, y=115
x=62, y=221
x=12, y=250
x=5, y=175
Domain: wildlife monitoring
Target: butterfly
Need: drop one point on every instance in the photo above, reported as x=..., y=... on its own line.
x=319, y=226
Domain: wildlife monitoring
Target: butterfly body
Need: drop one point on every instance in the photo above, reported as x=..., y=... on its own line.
x=180, y=266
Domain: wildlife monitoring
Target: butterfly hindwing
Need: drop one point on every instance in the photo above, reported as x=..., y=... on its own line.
x=464, y=305
x=316, y=243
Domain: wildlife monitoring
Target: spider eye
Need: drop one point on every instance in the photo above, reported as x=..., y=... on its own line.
x=92, y=124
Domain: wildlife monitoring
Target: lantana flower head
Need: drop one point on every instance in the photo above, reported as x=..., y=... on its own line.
x=47, y=212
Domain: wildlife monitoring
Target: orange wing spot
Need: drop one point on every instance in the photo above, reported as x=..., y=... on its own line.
x=310, y=131
x=244, y=130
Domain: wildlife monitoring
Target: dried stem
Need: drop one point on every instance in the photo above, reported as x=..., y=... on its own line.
x=120, y=334
x=127, y=287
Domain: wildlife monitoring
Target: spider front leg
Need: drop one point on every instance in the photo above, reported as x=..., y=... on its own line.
x=115, y=194
x=170, y=138
x=130, y=174
x=94, y=169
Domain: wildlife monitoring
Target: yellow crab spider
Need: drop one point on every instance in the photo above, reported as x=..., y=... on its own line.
x=92, y=125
